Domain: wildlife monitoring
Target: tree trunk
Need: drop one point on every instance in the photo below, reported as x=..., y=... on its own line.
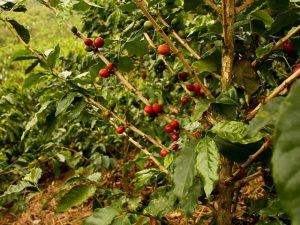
x=228, y=19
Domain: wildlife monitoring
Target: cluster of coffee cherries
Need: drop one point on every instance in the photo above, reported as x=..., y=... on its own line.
x=154, y=109
x=95, y=45
x=173, y=129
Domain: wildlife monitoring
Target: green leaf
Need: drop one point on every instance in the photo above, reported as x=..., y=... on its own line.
x=21, y=30
x=245, y=77
x=64, y=103
x=184, y=171
x=267, y=115
x=53, y=56
x=228, y=97
x=161, y=205
x=23, y=54
x=16, y=7
x=282, y=20
x=124, y=64
x=168, y=160
x=205, y=66
x=128, y=7
x=137, y=47
x=103, y=216
x=75, y=197
x=263, y=16
x=190, y=201
x=34, y=175
x=17, y=188
x=121, y=220
x=143, y=178
x=285, y=160
x=235, y=132
x=191, y=5
x=263, y=50
x=278, y=4
x=32, y=80
x=208, y=163
x=200, y=108
x=31, y=66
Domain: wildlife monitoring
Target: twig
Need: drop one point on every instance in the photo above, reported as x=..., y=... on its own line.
x=244, y=5
x=247, y=179
x=178, y=38
x=276, y=91
x=170, y=68
x=291, y=33
x=250, y=160
x=175, y=50
x=213, y=6
x=144, y=150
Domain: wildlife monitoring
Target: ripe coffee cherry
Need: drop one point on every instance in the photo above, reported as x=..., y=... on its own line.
x=197, y=134
x=296, y=68
x=190, y=87
x=168, y=129
x=110, y=66
x=174, y=124
x=149, y=109
x=175, y=147
x=175, y=137
x=288, y=47
x=99, y=42
x=197, y=88
x=183, y=75
x=184, y=100
x=120, y=130
x=88, y=42
x=104, y=73
x=163, y=152
x=163, y=49
x=157, y=108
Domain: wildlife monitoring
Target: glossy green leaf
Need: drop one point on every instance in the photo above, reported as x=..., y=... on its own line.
x=103, y=216
x=22, y=55
x=137, y=47
x=124, y=64
x=263, y=50
x=263, y=16
x=285, y=160
x=235, y=132
x=228, y=97
x=34, y=175
x=267, y=115
x=75, y=197
x=184, y=171
x=64, y=103
x=53, y=56
x=32, y=80
x=200, y=107
x=208, y=163
x=21, y=30
x=94, y=70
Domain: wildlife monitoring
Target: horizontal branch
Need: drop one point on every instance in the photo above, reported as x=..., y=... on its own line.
x=276, y=91
x=144, y=150
x=251, y=159
x=246, y=4
x=213, y=6
x=291, y=33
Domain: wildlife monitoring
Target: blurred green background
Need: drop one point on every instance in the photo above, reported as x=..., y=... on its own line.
x=46, y=32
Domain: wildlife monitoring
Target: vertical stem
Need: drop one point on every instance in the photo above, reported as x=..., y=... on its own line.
x=225, y=196
x=228, y=19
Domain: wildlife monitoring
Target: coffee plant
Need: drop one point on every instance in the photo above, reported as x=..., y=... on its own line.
x=190, y=101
